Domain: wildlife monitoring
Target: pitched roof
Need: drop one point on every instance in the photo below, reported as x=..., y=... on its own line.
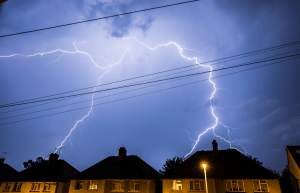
x=129, y=167
x=56, y=171
x=6, y=171
x=228, y=164
x=295, y=151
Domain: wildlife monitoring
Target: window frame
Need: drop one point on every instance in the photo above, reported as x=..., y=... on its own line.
x=238, y=186
x=7, y=187
x=192, y=182
x=79, y=185
x=176, y=185
x=132, y=184
x=260, y=183
x=33, y=189
x=95, y=185
x=45, y=189
x=121, y=184
x=17, y=187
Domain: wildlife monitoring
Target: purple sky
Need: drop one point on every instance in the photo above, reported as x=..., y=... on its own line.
x=258, y=110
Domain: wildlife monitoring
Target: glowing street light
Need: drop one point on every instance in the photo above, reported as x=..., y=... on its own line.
x=204, y=167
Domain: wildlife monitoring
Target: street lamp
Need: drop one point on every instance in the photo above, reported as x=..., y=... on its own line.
x=204, y=167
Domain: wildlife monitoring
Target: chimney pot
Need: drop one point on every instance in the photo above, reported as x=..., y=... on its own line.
x=122, y=153
x=2, y=160
x=53, y=157
x=215, y=147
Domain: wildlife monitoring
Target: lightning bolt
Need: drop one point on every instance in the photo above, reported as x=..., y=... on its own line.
x=107, y=69
x=195, y=59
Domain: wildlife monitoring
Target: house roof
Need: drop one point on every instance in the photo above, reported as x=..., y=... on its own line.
x=295, y=151
x=56, y=171
x=129, y=167
x=6, y=171
x=228, y=164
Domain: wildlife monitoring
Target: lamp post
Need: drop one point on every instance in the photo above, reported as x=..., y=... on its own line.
x=204, y=167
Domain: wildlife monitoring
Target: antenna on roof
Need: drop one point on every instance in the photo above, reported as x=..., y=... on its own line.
x=5, y=154
x=59, y=149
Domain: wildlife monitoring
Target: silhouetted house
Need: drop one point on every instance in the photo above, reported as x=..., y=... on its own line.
x=51, y=177
x=293, y=156
x=6, y=170
x=226, y=171
x=117, y=174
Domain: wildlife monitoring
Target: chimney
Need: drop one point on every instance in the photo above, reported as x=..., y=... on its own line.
x=2, y=160
x=215, y=147
x=53, y=157
x=122, y=153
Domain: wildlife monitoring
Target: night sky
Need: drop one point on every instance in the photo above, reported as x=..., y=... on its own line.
x=260, y=107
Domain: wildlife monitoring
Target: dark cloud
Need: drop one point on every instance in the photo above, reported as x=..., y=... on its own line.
x=118, y=26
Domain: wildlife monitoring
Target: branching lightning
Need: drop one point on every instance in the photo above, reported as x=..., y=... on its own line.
x=107, y=69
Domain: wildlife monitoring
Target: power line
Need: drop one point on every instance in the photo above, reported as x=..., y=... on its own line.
x=149, y=82
x=258, y=60
x=241, y=56
x=85, y=21
x=150, y=92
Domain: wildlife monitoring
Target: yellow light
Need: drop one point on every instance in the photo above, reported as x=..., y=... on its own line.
x=204, y=166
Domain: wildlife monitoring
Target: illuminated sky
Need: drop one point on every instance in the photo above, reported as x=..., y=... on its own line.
x=260, y=107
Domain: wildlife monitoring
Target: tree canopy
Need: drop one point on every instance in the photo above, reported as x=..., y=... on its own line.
x=170, y=164
x=31, y=163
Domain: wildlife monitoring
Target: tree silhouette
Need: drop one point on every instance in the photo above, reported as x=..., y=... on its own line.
x=31, y=163
x=170, y=164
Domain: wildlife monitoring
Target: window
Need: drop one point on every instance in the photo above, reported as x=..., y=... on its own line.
x=47, y=187
x=7, y=187
x=17, y=187
x=134, y=186
x=93, y=184
x=118, y=185
x=235, y=186
x=197, y=185
x=177, y=185
x=79, y=185
x=260, y=186
x=35, y=186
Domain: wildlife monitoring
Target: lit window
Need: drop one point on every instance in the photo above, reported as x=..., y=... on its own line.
x=197, y=185
x=79, y=185
x=93, y=184
x=17, y=187
x=35, y=186
x=7, y=187
x=134, y=185
x=177, y=185
x=260, y=186
x=47, y=186
x=118, y=185
x=235, y=186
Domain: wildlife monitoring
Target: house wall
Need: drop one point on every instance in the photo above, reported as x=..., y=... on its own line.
x=26, y=187
x=273, y=185
x=294, y=170
x=217, y=186
x=106, y=186
x=167, y=186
